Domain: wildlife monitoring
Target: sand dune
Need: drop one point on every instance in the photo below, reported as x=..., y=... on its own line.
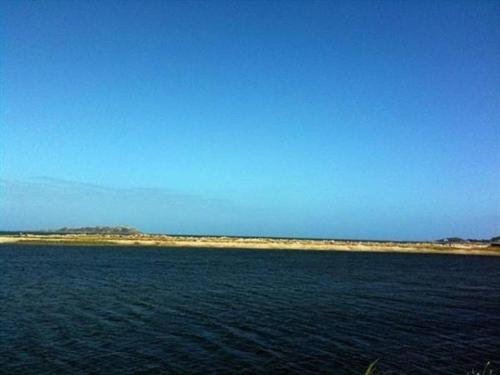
x=252, y=243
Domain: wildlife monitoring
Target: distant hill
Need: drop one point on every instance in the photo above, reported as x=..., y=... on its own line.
x=121, y=230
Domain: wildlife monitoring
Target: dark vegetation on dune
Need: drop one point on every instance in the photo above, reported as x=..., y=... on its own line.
x=458, y=240
x=121, y=230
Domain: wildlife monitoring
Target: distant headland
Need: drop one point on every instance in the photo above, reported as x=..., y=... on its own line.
x=128, y=236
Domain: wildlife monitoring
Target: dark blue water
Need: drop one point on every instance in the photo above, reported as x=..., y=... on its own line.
x=139, y=310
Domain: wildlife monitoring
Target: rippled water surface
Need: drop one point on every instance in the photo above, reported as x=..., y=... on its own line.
x=141, y=310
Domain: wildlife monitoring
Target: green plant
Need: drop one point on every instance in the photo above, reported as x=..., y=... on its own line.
x=372, y=368
x=487, y=370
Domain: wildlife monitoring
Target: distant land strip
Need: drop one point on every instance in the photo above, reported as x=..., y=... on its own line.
x=159, y=240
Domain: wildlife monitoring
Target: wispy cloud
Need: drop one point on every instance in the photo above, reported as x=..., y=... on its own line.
x=46, y=202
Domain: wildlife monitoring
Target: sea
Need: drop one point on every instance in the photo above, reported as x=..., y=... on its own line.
x=141, y=310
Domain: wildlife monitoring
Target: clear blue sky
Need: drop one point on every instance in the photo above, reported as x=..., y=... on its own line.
x=341, y=119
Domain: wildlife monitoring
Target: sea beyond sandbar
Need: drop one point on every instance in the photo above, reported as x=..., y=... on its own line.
x=156, y=240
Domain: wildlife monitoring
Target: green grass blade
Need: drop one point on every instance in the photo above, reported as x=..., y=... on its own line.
x=371, y=369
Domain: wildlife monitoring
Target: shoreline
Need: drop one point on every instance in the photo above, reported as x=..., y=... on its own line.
x=250, y=243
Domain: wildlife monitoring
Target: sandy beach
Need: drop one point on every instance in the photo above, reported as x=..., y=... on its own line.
x=253, y=243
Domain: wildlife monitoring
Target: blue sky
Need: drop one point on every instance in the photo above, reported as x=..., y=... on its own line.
x=280, y=118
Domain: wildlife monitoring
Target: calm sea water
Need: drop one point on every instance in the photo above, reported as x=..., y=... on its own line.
x=140, y=310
